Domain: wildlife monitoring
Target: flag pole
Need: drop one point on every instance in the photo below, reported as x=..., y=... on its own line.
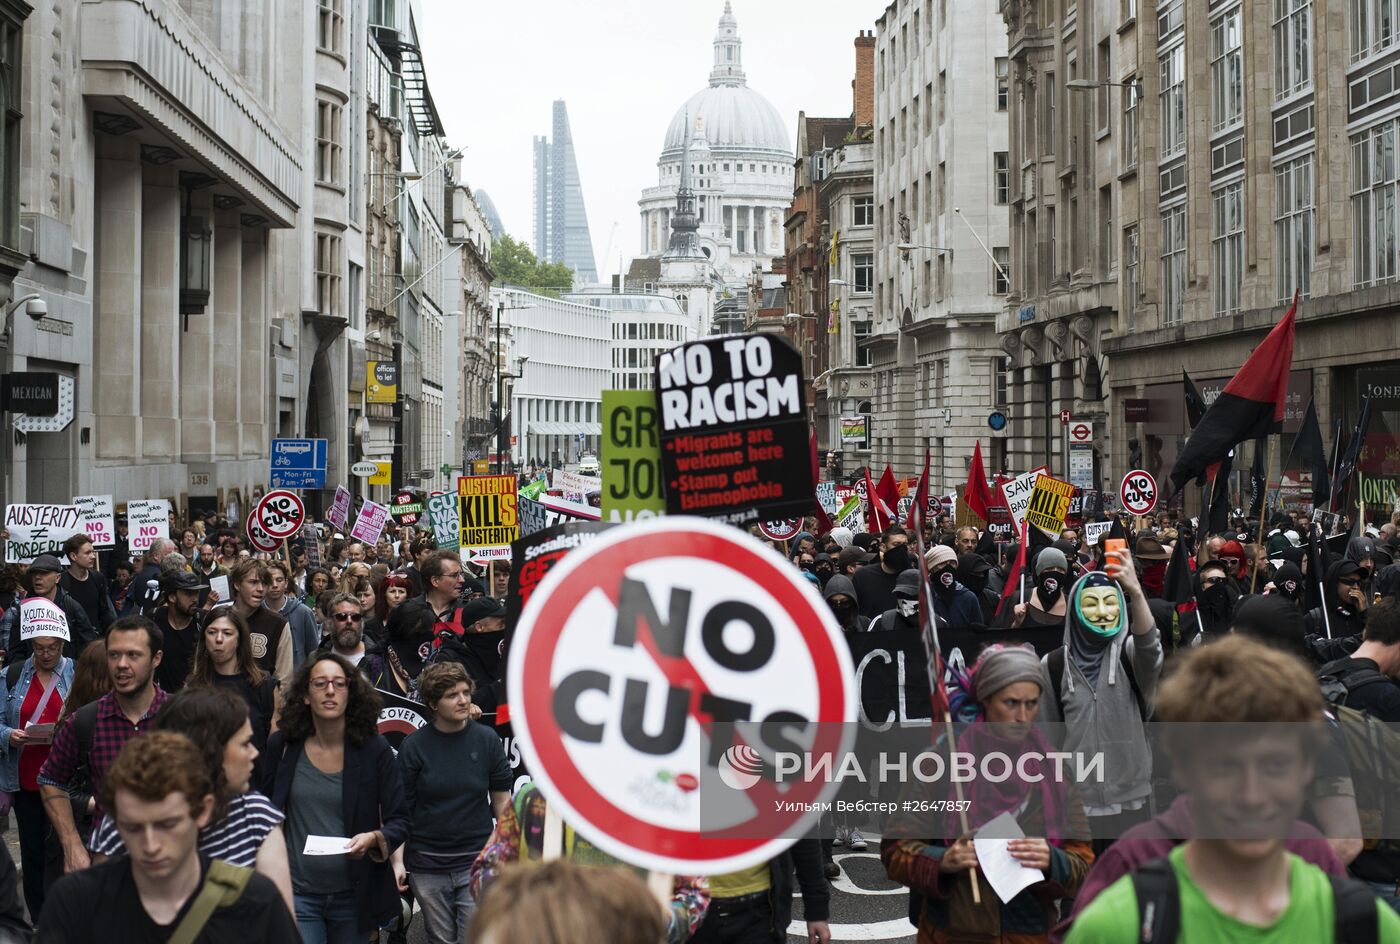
x=1263, y=510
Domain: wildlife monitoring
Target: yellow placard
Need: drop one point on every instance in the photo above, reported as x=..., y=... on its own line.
x=1049, y=504
x=488, y=511
x=385, y=475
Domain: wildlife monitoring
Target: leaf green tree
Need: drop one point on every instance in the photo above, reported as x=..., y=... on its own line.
x=514, y=263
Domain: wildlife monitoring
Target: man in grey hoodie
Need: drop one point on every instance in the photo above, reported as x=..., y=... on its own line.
x=1102, y=683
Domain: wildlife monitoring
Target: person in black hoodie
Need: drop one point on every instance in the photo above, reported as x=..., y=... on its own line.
x=1216, y=596
x=1289, y=584
x=974, y=573
x=840, y=595
x=1345, y=601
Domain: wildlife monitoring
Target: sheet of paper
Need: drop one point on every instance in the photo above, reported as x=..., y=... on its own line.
x=326, y=845
x=219, y=585
x=38, y=733
x=1004, y=873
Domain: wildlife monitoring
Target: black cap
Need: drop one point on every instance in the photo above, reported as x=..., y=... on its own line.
x=481, y=608
x=907, y=584
x=46, y=563
x=183, y=580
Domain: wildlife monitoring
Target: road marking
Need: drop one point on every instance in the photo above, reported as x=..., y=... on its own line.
x=844, y=884
x=892, y=930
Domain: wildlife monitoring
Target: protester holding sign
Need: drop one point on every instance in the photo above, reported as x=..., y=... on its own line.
x=31, y=696
x=43, y=580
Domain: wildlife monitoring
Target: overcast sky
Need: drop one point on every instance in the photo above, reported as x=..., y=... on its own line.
x=624, y=67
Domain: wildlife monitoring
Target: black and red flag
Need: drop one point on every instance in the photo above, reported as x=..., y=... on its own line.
x=1250, y=406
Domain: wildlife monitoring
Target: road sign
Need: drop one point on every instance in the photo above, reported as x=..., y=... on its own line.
x=1081, y=466
x=1064, y=417
x=1138, y=492
x=299, y=463
x=280, y=514
x=686, y=614
x=363, y=470
x=1081, y=432
x=784, y=529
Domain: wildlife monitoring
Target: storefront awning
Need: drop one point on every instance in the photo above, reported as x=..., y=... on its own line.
x=543, y=428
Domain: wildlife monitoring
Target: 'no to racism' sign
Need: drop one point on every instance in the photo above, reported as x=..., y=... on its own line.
x=650, y=637
x=734, y=441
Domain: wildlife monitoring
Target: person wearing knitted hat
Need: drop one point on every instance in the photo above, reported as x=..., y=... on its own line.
x=953, y=604
x=1046, y=606
x=1006, y=685
x=1102, y=680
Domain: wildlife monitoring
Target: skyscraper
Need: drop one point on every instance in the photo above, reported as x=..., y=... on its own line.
x=561, y=222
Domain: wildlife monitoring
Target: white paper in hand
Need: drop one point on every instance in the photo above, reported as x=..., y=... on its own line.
x=326, y=845
x=1007, y=876
x=219, y=585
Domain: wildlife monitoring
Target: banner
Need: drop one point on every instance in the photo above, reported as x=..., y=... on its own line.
x=631, y=456
x=382, y=381
x=399, y=717
x=369, y=524
x=148, y=521
x=734, y=436
x=826, y=497
x=1016, y=494
x=579, y=494
x=853, y=430
x=339, y=514
x=488, y=511
x=852, y=514
x=447, y=529
x=1049, y=504
x=38, y=529
x=98, y=519
x=40, y=616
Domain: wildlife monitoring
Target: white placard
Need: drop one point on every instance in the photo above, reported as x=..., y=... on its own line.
x=99, y=519
x=1093, y=530
x=40, y=616
x=38, y=529
x=148, y=520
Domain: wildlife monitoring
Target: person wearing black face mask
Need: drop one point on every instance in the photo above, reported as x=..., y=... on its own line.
x=1288, y=584
x=1216, y=596
x=953, y=604
x=823, y=568
x=1040, y=620
x=840, y=595
x=905, y=612
x=875, y=582
x=974, y=573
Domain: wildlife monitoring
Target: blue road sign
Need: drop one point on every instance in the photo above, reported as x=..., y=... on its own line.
x=298, y=463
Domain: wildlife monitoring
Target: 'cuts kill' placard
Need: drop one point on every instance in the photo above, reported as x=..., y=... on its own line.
x=734, y=441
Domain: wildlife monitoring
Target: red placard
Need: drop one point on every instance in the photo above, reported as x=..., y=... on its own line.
x=784, y=529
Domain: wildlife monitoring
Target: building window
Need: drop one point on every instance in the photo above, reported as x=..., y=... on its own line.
x=328, y=143
x=1047, y=118
x=330, y=27
x=942, y=97
x=863, y=272
x=1103, y=95
x=1172, y=98
x=1130, y=121
x=1173, y=264
x=1374, y=26
x=11, y=46
x=328, y=274
x=1001, y=376
x=1052, y=270
x=1227, y=247
x=1001, y=177
x=1373, y=204
x=1226, y=71
x=863, y=211
x=1003, y=84
x=1292, y=46
x=1107, y=231
x=1131, y=270
x=1293, y=226
x=1171, y=17
x=1001, y=272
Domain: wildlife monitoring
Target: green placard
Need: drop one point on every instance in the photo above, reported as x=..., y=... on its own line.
x=631, y=456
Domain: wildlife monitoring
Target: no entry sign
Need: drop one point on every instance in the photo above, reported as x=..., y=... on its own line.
x=649, y=637
x=784, y=529
x=1138, y=492
x=280, y=514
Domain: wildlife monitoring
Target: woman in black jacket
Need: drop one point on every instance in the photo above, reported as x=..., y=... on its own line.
x=333, y=774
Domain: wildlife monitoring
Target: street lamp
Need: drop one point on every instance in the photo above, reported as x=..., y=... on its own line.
x=910, y=247
x=1080, y=84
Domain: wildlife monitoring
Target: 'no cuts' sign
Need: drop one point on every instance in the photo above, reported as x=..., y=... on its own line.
x=651, y=637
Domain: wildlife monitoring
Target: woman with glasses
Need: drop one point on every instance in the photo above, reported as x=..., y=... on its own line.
x=334, y=775
x=223, y=658
x=32, y=694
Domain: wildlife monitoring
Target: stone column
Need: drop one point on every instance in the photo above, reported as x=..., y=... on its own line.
x=160, y=320
x=748, y=229
x=225, y=317
x=117, y=326
x=253, y=394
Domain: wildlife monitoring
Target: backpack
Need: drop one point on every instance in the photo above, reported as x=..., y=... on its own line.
x=1371, y=747
x=223, y=886
x=1055, y=665
x=1159, y=906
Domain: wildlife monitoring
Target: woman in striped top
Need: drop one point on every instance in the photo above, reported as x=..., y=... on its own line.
x=246, y=828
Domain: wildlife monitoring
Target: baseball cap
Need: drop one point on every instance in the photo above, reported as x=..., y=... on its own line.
x=853, y=555
x=183, y=581
x=481, y=608
x=907, y=583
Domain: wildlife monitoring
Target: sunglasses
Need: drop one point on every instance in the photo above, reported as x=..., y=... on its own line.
x=1211, y=581
x=347, y=617
x=321, y=684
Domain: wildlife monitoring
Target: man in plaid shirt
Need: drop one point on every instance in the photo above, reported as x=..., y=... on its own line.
x=133, y=652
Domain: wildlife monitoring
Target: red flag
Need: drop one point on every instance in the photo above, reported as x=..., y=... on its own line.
x=1250, y=406
x=888, y=490
x=977, y=495
x=919, y=510
x=824, y=522
x=877, y=513
x=1013, y=576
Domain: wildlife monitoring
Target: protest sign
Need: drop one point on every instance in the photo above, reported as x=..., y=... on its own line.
x=339, y=514
x=447, y=530
x=488, y=511
x=826, y=497
x=853, y=431
x=631, y=456
x=38, y=529
x=1093, y=530
x=580, y=495
x=852, y=514
x=98, y=517
x=734, y=438
x=891, y=677
x=595, y=628
x=1016, y=494
x=399, y=717
x=148, y=521
x=311, y=545
x=406, y=508
x=40, y=616
x=280, y=514
x=1048, y=505
x=369, y=524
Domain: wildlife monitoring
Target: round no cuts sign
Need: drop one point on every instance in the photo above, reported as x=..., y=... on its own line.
x=654, y=637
